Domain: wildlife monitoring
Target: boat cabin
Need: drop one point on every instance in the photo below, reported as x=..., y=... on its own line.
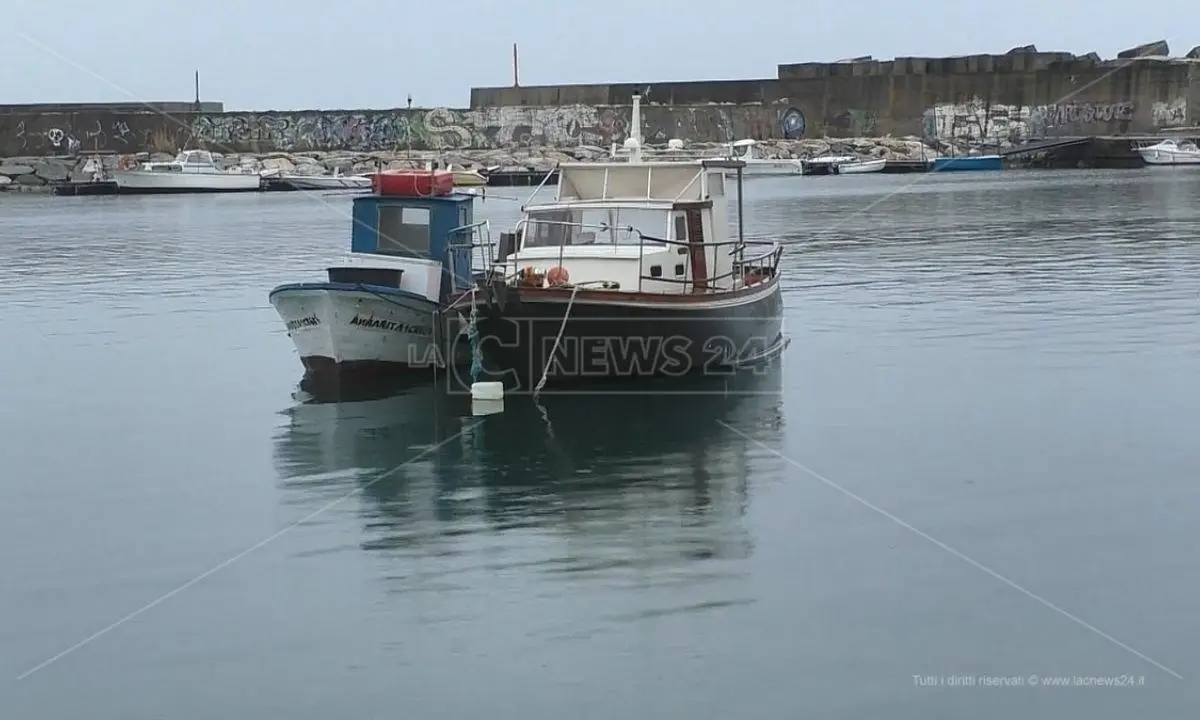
x=419, y=244
x=188, y=161
x=655, y=227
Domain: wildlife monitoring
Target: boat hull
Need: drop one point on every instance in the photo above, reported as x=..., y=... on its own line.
x=141, y=182
x=970, y=163
x=325, y=182
x=625, y=338
x=355, y=330
x=771, y=168
x=858, y=168
x=1154, y=156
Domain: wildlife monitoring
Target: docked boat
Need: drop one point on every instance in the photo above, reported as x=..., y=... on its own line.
x=377, y=314
x=629, y=272
x=859, y=166
x=756, y=166
x=336, y=181
x=968, y=163
x=1171, y=152
x=826, y=164
x=192, y=171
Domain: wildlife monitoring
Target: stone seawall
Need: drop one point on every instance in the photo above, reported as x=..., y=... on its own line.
x=978, y=100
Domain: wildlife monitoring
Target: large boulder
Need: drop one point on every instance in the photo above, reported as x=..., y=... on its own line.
x=14, y=170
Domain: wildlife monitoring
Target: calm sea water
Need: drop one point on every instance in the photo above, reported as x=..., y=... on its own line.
x=978, y=459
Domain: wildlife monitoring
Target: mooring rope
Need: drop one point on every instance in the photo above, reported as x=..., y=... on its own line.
x=558, y=339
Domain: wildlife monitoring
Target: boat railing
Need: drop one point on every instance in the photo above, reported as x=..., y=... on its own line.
x=765, y=263
x=476, y=239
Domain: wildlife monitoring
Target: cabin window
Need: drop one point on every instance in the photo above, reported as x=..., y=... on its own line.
x=594, y=226
x=681, y=227
x=403, y=230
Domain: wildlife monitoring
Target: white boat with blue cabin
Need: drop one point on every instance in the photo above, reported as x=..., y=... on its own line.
x=378, y=312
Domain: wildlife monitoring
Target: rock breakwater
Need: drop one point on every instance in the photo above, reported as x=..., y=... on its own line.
x=42, y=173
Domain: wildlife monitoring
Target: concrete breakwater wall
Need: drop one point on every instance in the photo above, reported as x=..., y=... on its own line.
x=373, y=130
x=978, y=100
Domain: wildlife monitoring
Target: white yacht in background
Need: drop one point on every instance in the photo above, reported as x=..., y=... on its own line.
x=1171, y=152
x=192, y=171
x=759, y=166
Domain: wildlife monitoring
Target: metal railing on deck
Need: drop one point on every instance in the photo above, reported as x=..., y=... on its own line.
x=764, y=264
x=481, y=252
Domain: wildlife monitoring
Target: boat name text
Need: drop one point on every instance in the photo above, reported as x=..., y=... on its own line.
x=304, y=322
x=374, y=323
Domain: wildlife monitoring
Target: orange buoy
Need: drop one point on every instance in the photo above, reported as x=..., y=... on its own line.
x=557, y=275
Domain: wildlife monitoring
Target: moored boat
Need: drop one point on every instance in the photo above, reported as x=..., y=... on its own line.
x=628, y=273
x=826, y=164
x=192, y=171
x=1171, y=152
x=968, y=163
x=859, y=166
x=378, y=313
x=756, y=166
x=335, y=181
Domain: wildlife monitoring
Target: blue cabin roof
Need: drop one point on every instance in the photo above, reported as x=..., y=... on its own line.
x=428, y=227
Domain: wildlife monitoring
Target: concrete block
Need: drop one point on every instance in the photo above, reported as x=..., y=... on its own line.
x=1159, y=48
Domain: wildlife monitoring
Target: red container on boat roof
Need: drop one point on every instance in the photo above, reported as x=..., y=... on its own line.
x=413, y=183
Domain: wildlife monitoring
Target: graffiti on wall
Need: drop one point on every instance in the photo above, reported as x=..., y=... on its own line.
x=979, y=122
x=363, y=131
x=791, y=123
x=438, y=129
x=1169, y=115
x=852, y=123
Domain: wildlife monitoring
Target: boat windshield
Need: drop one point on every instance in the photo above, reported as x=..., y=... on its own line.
x=593, y=226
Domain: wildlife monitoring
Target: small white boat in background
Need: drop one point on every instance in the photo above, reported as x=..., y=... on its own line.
x=192, y=171
x=463, y=177
x=825, y=164
x=859, y=166
x=1170, y=152
x=759, y=166
x=336, y=181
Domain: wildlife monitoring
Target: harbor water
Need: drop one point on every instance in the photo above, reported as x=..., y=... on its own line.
x=973, y=473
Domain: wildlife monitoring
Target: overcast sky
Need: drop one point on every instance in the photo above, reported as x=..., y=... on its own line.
x=296, y=54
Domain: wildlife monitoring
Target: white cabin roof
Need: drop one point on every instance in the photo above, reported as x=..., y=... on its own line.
x=688, y=181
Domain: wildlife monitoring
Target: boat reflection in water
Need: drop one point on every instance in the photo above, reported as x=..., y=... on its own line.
x=630, y=482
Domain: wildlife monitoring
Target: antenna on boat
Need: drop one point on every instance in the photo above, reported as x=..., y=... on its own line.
x=634, y=142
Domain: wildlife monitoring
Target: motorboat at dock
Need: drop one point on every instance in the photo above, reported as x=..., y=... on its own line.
x=192, y=171
x=1170, y=152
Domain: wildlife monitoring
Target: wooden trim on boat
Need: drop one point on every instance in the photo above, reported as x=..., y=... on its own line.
x=618, y=297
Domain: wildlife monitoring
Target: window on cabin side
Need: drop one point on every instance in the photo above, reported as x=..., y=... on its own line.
x=594, y=226
x=404, y=231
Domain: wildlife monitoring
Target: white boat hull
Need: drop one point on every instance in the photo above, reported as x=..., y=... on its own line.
x=141, y=181
x=771, y=168
x=327, y=182
x=340, y=329
x=1154, y=156
x=866, y=166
